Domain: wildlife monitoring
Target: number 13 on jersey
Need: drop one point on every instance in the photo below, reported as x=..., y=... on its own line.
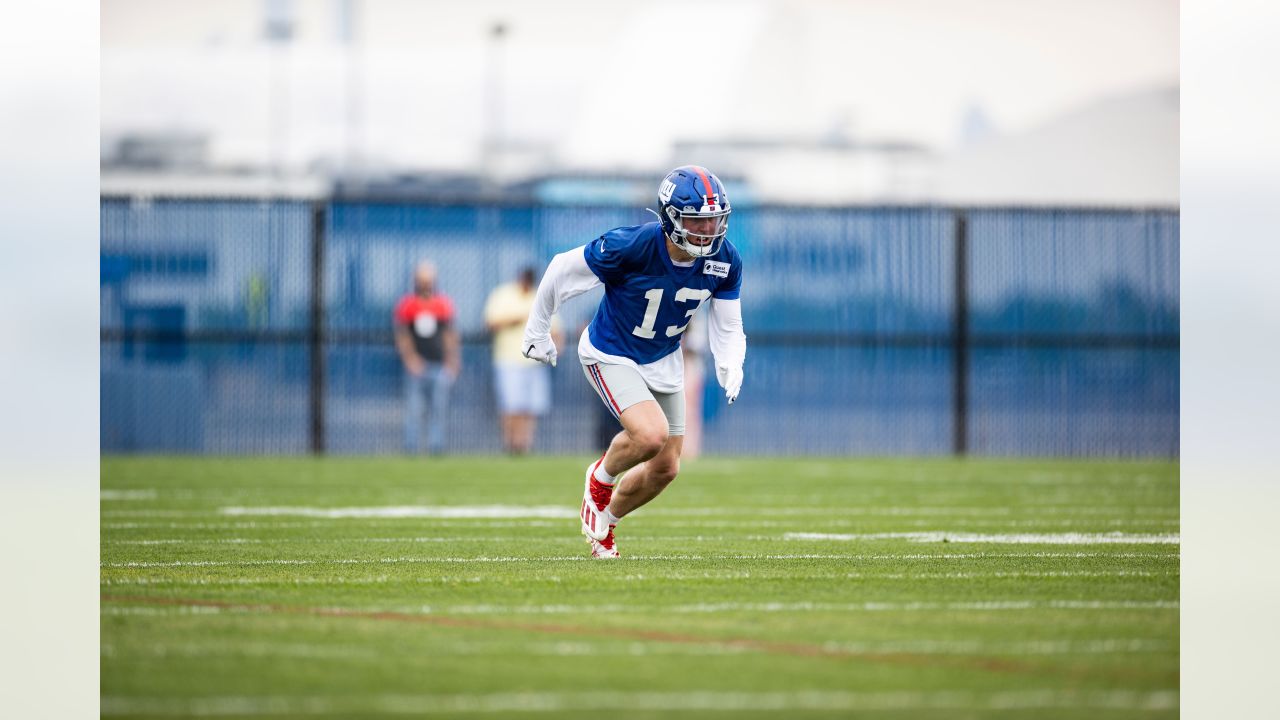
x=654, y=297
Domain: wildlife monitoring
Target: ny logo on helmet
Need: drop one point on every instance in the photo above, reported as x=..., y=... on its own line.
x=664, y=192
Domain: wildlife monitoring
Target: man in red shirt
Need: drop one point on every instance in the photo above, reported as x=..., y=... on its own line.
x=431, y=354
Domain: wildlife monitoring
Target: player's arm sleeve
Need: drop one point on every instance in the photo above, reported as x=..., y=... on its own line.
x=567, y=276
x=728, y=341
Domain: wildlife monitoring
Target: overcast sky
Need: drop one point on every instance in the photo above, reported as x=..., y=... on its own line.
x=608, y=85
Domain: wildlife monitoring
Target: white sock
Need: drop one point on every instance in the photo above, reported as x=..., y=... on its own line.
x=603, y=475
x=608, y=515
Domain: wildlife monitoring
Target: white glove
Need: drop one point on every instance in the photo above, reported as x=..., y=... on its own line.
x=542, y=350
x=731, y=380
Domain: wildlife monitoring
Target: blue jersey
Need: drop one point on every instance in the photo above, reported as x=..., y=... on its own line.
x=648, y=300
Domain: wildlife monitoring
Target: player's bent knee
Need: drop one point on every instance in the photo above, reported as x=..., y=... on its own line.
x=663, y=474
x=649, y=441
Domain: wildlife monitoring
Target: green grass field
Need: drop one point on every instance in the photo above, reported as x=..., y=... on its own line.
x=751, y=588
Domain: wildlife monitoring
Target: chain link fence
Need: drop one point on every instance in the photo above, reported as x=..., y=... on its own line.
x=232, y=327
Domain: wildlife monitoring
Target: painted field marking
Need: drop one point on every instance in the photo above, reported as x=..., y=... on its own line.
x=272, y=525
x=800, y=607
x=155, y=513
x=423, y=615
x=418, y=539
x=315, y=541
x=1014, y=539
x=583, y=558
x=911, y=510
x=890, y=511
x=365, y=561
x=558, y=511
x=932, y=536
x=422, y=611
x=308, y=651
x=610, y=648
x=294, y=580
x=411, y=511
x=1012, y=574
x=127, y=495
x=1106, y=646
x=636, y=578
x=696, y=700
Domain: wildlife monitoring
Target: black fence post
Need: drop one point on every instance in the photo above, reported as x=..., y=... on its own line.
x=315, y=334
x=960, y=339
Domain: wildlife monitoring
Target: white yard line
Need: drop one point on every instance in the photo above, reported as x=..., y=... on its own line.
x=914, y=510
x=921, y=647
x=694, y=608
x=345, y=561
x=579, y=558
x=1084, y=523
x=801, y=607
x=656, y=525
x=422, y=560
x=1013, y=574
x=704, y=700
x=307, y=651
x=1011, y=539
x=127, y=495
x=295, y=580
x=1059, y=539
x=412, y=511
x=420, y=539
x=155, y=513
x=613, y=648
x=273, y=525
x=315, y=541
x=198, y=541
x=634, y=578
x=1029, y=647
x=568, y=511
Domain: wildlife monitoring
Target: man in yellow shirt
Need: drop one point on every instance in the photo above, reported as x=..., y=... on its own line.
x=523, y=386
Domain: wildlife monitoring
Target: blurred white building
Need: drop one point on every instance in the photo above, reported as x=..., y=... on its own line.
x=1118, y=151
x=988, y=101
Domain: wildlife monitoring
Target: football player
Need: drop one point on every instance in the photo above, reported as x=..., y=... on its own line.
x=655, y=276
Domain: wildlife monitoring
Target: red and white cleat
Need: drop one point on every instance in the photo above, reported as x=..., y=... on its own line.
x=595, y=498
x=606, y=548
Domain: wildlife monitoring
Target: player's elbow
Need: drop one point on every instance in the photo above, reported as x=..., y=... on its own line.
x=557, y=262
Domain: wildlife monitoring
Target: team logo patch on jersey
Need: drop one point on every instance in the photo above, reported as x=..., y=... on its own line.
x=711, y=267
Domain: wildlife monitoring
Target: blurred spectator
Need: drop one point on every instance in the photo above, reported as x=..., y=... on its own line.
x=523, y=386
x=257, y=303
x=431, y=354
x=694, y=344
